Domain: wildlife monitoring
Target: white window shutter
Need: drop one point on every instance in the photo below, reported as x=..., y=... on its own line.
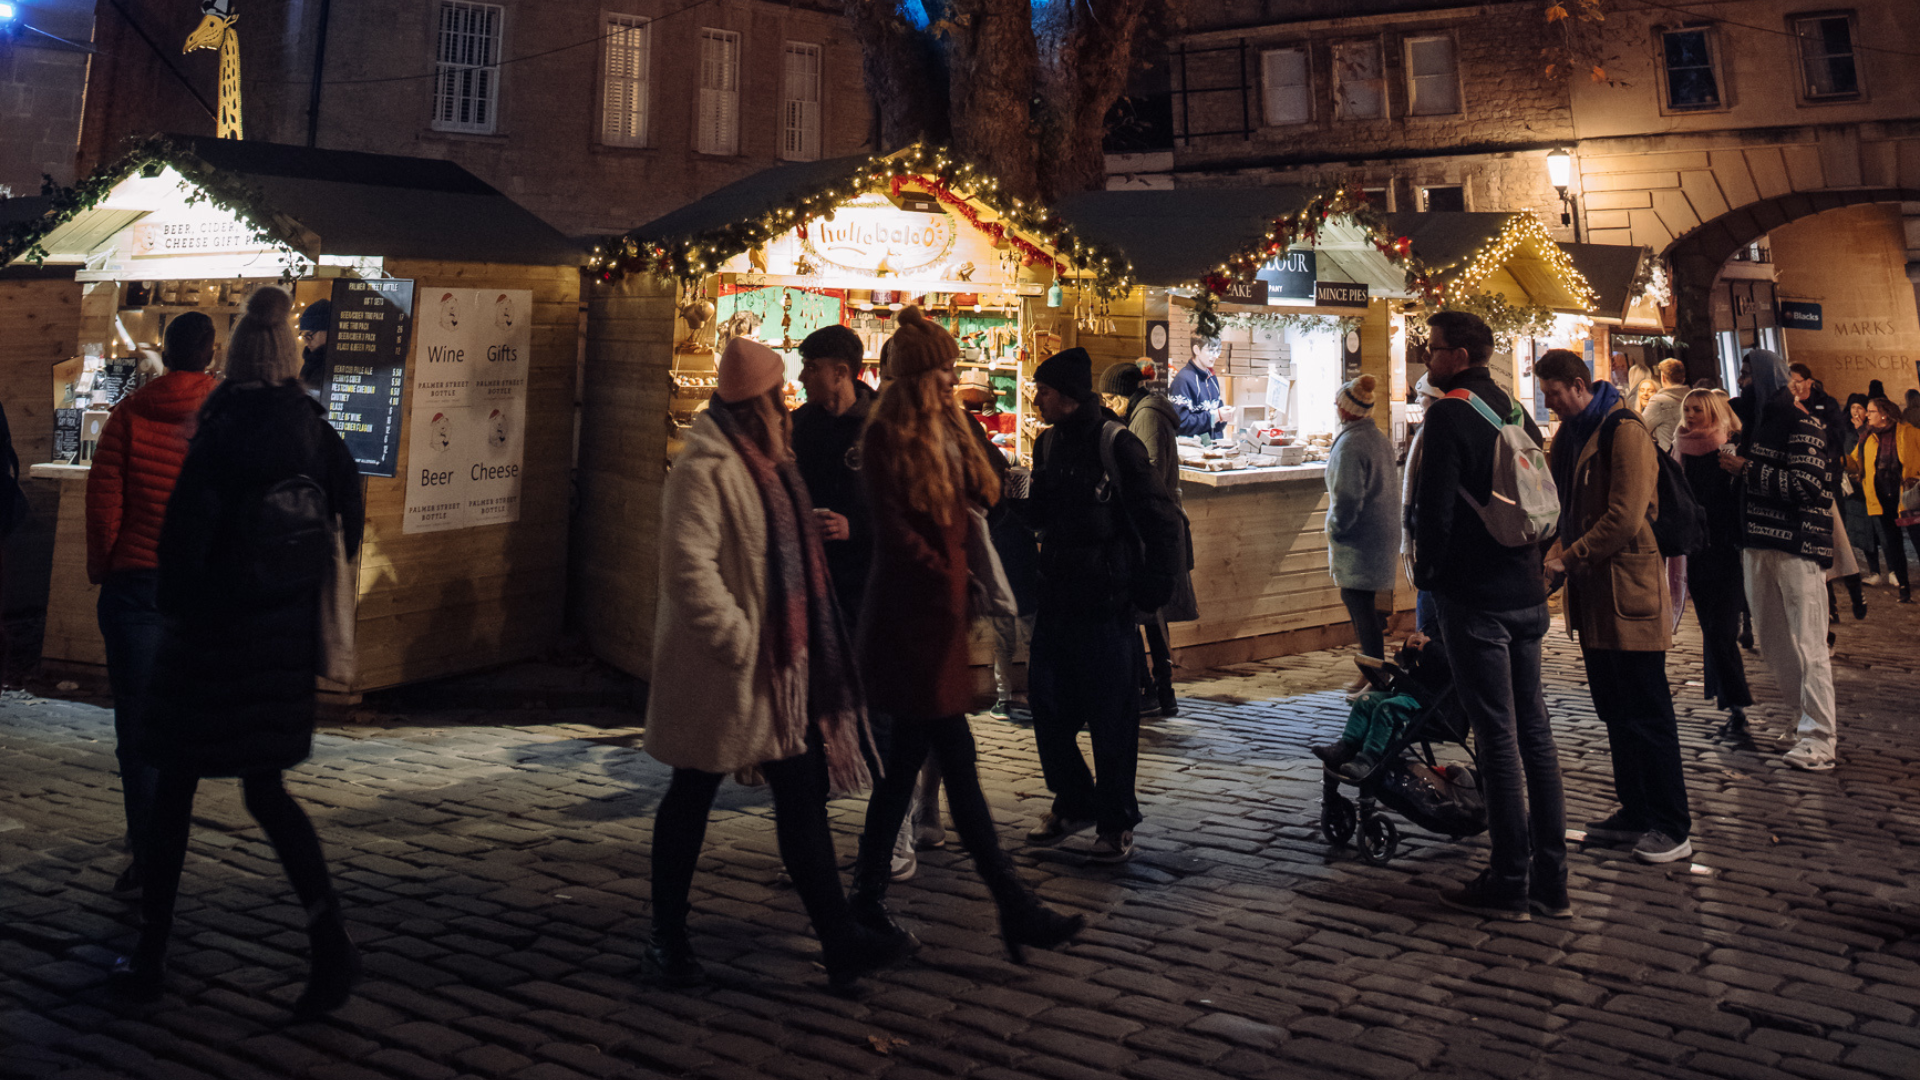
x=1287, y=95
x=1433, y=76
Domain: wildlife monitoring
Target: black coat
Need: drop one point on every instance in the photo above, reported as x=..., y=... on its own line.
x=233, y=686
x=826, y=449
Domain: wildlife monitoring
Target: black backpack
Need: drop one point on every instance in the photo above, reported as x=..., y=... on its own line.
x=1680, y=527
x=287, y=538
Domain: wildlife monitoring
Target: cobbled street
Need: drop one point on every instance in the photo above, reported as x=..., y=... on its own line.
x=494, y=869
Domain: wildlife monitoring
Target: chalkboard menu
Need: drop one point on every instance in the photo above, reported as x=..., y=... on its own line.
x=66, y=434
x=366, y=368
x=114, y=382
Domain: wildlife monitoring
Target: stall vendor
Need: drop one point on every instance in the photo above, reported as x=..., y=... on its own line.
x=1196, y=391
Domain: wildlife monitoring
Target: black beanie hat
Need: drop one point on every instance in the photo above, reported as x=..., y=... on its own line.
x=317, y=316
x=834, y=342
x=1069, y=372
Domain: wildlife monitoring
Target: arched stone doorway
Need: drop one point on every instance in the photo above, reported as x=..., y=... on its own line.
x=1697, y=257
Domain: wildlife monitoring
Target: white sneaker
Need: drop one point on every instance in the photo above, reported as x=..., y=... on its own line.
x=1810, y=756
x=905, y=862
x=1872, y=579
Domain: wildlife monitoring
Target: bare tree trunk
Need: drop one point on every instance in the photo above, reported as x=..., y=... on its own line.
x=1087, y=56
x=905, y=75
x=994, y=59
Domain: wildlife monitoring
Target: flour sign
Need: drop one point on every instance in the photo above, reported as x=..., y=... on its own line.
x=871, y=236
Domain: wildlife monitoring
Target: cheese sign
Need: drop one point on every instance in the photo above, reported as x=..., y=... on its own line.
x=870, y=236
x=206, y=237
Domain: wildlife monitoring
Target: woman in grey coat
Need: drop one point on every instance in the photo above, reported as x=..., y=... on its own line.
x=1363, y=515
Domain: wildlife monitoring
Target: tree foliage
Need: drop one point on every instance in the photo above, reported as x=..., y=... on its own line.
x=1020, y=88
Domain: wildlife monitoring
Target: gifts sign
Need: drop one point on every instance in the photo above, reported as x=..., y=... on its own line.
x=467, y=423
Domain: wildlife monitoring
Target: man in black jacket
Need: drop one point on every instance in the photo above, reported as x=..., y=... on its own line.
x=1110, y=542
x=1492, y=603
x=826, y=448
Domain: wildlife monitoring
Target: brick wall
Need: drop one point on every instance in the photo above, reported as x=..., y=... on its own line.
x=42, y=85
x=544, y=151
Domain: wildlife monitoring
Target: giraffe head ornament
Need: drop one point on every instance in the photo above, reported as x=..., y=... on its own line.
x=216, y=32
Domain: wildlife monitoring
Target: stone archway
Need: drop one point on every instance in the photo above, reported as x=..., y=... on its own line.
x=1696, y=258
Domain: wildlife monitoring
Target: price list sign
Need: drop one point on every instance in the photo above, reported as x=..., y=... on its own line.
x=367, y=363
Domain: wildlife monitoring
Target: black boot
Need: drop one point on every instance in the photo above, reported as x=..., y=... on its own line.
x=1736, y=725
x=1336, y=754
x=1854, y=593
x=855, y=951
x=670, y=954
x=336, y=963
x=1024, y=921
x=1746, y=631
x=141, y=975
x=868, y=901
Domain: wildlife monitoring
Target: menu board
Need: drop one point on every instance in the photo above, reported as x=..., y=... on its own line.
x=366, y=368
x=469, y=410
x=66, y=434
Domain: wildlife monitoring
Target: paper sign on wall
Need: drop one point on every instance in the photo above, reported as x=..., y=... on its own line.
x=468, y=418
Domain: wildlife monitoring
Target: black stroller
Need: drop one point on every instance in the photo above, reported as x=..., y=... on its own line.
x=1408, y=779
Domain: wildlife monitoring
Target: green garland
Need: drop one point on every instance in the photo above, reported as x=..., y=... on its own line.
x=1510, y=322
x=148, y=156
x=687, y=259
x=1289, y=320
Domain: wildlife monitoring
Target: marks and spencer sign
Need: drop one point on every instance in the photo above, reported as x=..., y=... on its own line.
x=871, y=236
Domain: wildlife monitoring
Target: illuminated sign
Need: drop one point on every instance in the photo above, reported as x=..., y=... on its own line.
x=871, y=236
x=206, y=237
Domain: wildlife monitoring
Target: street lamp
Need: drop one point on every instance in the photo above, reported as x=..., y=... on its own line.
x=1560, y=175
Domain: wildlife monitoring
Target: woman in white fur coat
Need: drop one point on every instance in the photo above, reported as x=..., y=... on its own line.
x=752, y=670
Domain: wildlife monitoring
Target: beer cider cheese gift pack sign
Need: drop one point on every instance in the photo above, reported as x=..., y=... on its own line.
x=468, y=434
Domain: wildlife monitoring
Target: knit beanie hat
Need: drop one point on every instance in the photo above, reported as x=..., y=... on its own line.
x=1069, y=372
x=1356, y=397
x=919, y=345
x=834, y=342
x=1122, y=379
x=748, y=369
x=316, y=316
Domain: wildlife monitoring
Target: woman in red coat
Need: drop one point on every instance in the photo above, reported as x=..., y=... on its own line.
x=923, y=468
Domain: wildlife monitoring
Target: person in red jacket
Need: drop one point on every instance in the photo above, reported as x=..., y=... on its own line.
x=142, y=446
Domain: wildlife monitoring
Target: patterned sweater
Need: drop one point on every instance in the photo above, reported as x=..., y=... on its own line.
x=1786, y=501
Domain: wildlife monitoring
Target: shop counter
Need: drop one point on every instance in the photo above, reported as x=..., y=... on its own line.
x=1268, y=474
x=72, y=639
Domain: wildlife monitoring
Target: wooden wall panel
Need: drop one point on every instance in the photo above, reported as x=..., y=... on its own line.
x=39, y=327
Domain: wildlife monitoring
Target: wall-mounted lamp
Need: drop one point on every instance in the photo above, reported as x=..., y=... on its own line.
x=1560, y=175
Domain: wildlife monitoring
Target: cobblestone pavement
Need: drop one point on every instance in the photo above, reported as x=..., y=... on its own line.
x=494, y=867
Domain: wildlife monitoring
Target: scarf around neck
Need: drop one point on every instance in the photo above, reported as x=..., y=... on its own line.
x=1690, y=443
x=803, y=640
x=1574, y=434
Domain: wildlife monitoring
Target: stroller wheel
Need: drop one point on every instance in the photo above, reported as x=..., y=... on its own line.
x=1378, y=838
x=1337, y=820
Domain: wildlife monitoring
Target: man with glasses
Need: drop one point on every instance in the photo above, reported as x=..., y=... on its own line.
x=314, y=322
x=1492, y=606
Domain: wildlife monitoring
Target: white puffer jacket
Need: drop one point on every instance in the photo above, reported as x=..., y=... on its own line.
x=708, y=707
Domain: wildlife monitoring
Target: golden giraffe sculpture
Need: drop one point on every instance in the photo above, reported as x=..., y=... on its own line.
x=216, y=32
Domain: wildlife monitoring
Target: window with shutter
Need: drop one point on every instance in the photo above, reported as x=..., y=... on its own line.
x=1286, y=90
x=1692, y=81
x=466, y=85
x=719, y=120
x=1359, y=91
x=627, y=46
x=800, y=105
x=1433, y=76
x=1826, y=56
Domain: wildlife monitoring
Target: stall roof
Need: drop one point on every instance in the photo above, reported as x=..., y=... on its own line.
x=334, y=202
x=1612, y=270
x=750, y=197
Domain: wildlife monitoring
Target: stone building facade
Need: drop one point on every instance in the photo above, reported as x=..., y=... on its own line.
x=1740, y=141
x=598, y=115
x=43, y=81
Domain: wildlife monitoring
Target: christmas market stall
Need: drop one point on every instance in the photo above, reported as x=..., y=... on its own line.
x=452, y=323
x=1292, y=292
x=776, y=256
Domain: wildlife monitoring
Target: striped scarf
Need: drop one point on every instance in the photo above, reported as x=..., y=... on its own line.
x=803, y=641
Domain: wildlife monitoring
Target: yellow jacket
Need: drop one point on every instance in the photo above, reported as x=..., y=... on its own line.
x=1906, y=440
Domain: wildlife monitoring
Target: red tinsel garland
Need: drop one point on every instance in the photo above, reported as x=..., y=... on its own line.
x=1032, y=254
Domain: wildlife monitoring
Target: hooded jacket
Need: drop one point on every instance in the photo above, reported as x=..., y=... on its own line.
x=1787, y=489
x=1153, y=417
x=142, y=446
x=1664, y=414
x=1195, y=395
x=1363, y=524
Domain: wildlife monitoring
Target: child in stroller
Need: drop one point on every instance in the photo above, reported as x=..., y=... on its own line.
x=1385, y=711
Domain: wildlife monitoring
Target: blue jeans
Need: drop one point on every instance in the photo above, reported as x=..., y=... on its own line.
x=1495, y=656
x=131, y=624
x=1080, y=674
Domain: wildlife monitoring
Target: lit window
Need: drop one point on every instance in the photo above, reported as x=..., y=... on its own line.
x=1826, y=56
x=1438, y=199
x=719, y=131
x=624, y=119
x=1691, y=82
x=1288, y=93
x=1433, y=76
x=1359, y=91
x=466, y=86
x=800, y=106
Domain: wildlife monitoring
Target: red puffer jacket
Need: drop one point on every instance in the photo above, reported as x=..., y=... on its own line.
x=142, y=446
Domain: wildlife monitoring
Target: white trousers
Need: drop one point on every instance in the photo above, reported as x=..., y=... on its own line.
x=1788, y=597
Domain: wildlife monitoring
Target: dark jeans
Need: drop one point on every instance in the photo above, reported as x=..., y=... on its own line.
x=1368, y=632
x=1719, y=596
x=1631, y=694
x=1156, y=664
x=799, y=824
x=1080, y=675
x=950, y=741
x=1895, y=545
x=1495, y=656
x=131, y=625
x=281, y=818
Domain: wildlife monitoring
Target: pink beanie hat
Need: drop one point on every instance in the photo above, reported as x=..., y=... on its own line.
x=748, y=369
